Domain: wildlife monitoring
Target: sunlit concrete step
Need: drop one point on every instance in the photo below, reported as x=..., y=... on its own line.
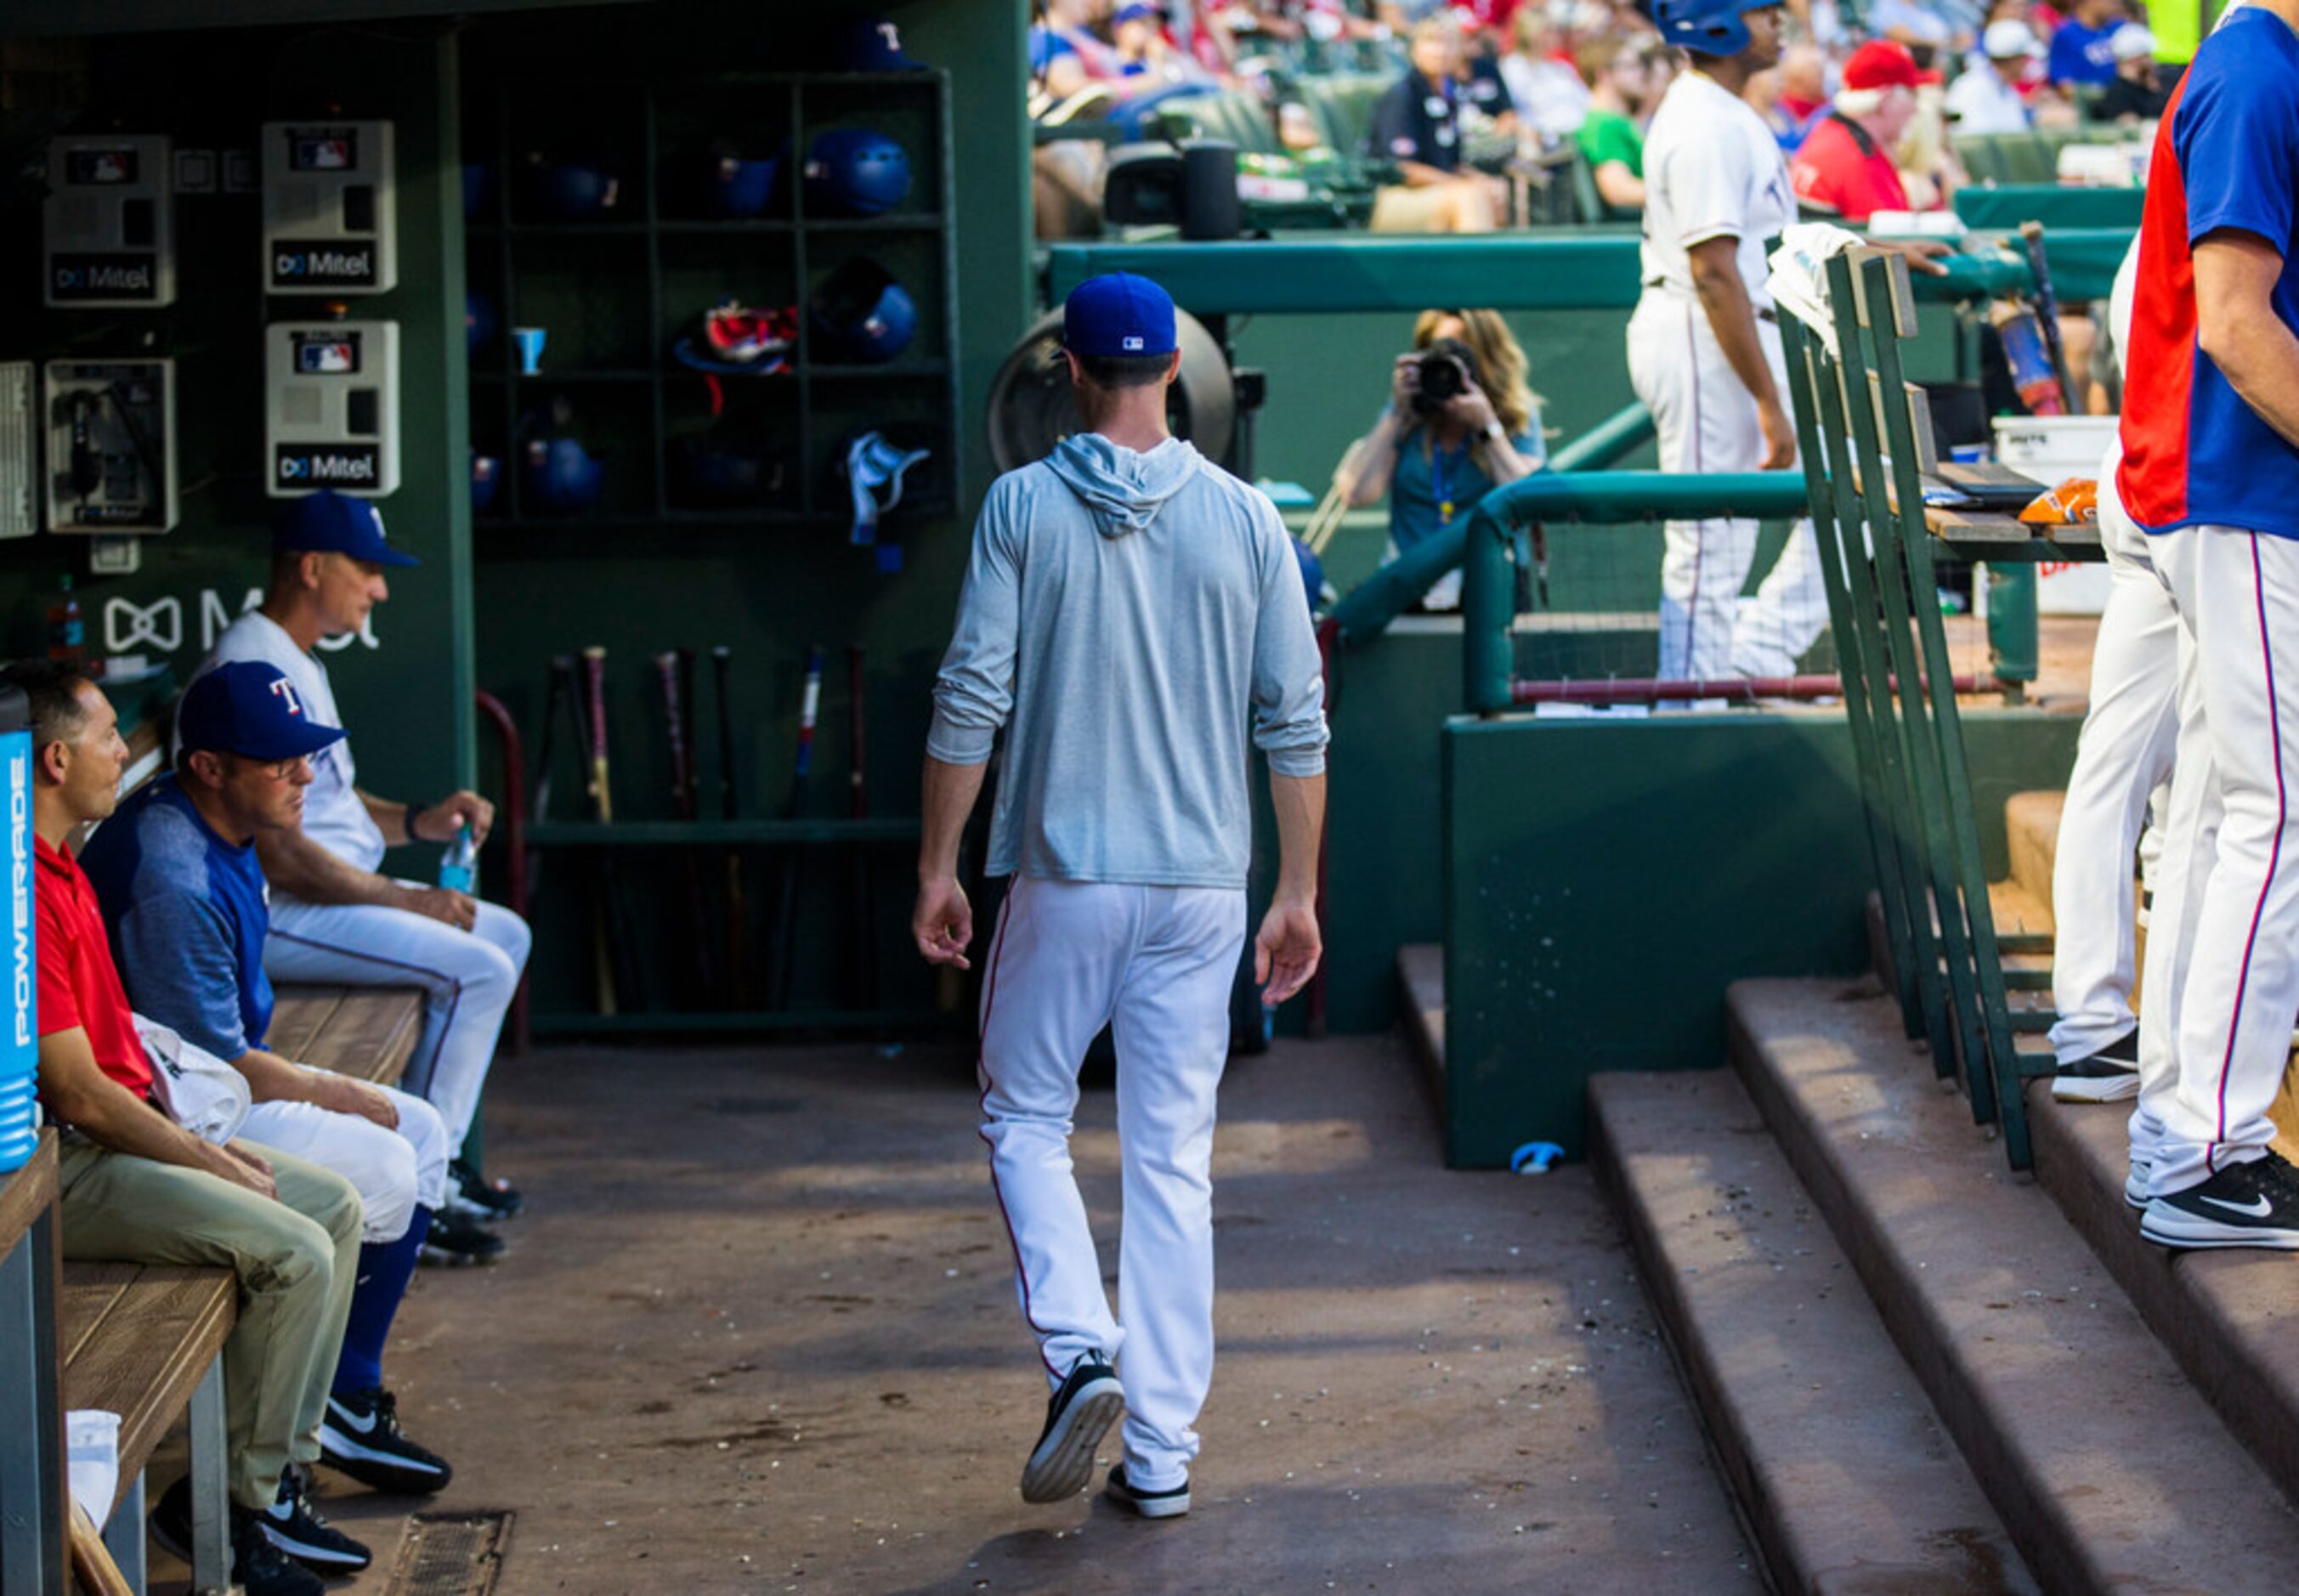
x=2031, y=827
x=1421, y=993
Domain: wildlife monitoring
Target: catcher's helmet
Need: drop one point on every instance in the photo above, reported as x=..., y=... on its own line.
x=1704, y=26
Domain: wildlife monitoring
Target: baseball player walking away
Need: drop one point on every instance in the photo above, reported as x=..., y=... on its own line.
x=1703, y=345
x=1131, y=615
x=2124, y=755
x=2211, y=471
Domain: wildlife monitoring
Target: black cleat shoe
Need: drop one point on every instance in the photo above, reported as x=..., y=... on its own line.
x=296, y=1527
x=361, y=1437
x=2245, y=1205
x=2110, y=1074
x=1077, y=1417
x=474, y=1197
x=1147, y=1504
x=456, y=1240
x=170, y=1520
x=257, y=1566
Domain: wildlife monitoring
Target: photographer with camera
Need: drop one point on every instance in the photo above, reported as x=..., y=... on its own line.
x=1460, y=422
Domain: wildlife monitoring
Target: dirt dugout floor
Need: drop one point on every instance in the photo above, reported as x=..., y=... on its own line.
x=758, y=1332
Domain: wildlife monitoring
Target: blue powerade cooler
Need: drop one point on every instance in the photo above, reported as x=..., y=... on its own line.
x=19, y=1045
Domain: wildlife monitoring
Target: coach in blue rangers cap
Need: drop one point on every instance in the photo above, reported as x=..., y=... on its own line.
x=335, y=920
x=1131, y=609
x=175, y=870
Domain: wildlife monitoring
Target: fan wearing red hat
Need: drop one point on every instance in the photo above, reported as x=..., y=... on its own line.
x=1846, y=165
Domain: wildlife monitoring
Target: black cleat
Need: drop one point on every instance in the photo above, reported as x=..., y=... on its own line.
x=2110, y=1074
x=257, y=1566
x=296, y=1527
x=1077, y=1417
x=456, y=1240
x=361, y=1437
x=1147, y=1504
x=2245, y=1205
x=472, y=1195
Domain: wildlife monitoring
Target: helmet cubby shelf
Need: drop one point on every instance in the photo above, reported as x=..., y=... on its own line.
x=691, y=301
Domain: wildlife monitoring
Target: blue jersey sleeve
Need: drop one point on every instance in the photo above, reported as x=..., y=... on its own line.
x=180, y=964
x=2237, y=136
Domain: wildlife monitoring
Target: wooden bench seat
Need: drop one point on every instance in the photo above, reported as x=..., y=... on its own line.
x=367, y=1032
x=136, y=1341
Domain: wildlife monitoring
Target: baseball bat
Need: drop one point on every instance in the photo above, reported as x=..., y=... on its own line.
x=603, y=809
x=738, y=909
x=786, y=890
x=562, y=678
x=91, y=1559
x=2047, y=312
x=697, y=964
x=858, y=807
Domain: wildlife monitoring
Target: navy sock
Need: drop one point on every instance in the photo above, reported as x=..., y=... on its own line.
x=384, y=1268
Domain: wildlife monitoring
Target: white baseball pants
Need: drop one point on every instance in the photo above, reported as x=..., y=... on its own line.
x=2224, y=937
x=468, y=979
x=393, y=1169
x=1156, y=964
x=2123, y=754
x=1706, y=421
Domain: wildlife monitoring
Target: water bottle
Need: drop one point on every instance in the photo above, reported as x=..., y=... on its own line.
x=458, y=866
x=20, y=1042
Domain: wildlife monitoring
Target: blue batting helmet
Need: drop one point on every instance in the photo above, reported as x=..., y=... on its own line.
x=862, y=314
x=560, y=475
x=1704, y=26
x=852, y=172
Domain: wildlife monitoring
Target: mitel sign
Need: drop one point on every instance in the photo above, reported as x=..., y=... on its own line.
x=350, y=466
x=332, y=264
x=109, y=277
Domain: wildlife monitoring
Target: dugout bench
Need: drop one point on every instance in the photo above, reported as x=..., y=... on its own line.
x=144, y=1340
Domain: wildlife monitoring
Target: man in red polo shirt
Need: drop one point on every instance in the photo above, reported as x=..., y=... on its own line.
x=1845, y=163
x=137, y=1187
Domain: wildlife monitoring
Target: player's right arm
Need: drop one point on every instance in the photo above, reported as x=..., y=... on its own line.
x=1715, y=263
x=80, y=1094
x=293, y=864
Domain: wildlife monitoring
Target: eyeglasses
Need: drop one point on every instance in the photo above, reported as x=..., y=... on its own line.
x=279, y=771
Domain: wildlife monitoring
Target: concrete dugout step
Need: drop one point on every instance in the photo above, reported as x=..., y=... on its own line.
x=2231, y=1317
x=2107, y=1465
x=1420, y=1001
x=2031, y=830
x=1843, y=1473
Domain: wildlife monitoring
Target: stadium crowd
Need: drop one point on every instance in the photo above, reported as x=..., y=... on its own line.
x=1864, y=100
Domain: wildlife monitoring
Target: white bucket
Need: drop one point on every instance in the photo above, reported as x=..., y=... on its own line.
x=2050, y=449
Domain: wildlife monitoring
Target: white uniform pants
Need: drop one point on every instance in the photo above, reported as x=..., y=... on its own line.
x=1706, y=421
x=393, y=1169
x=1154, y=963
x=468, y=979
x=2224, y=942
x=2123, y=755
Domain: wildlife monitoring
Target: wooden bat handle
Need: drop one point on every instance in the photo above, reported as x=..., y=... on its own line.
x=594, y=694
x=91, y=1558
x=681, y=785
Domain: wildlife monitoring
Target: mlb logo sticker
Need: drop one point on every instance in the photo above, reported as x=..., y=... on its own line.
x=1132, y=343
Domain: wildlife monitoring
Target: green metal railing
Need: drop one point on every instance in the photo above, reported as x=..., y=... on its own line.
x=1858, y=442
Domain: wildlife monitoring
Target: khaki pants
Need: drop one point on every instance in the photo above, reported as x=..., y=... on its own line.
x=297, y=1257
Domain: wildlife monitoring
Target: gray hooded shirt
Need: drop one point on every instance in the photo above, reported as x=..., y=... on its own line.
x=1131, y=619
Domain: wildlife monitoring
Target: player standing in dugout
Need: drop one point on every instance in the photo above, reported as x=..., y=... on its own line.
x=2210, y=472
x=1131, y=613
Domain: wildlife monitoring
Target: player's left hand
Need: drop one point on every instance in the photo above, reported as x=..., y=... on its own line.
x=1922, y=255
x=942, y=923
x=341, y=1095
x=440, y=821
x=1286, y=950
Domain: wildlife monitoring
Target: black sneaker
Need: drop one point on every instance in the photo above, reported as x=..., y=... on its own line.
x=1077, y=1417
x=257, y=1566
x=360, y=1436
x=472, y=1194
x=455, y=1240
x=1149, y=1504
x=2110, y=1074
x=297, y=1529
x=2245, y=1205
x=170, y=1520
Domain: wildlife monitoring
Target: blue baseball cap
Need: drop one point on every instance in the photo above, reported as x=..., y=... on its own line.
x=873, y=45
x=1118, y=313
x=251, y=708
x=328, y=522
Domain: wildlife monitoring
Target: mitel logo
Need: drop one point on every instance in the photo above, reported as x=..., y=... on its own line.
x=102, y=277
x=328, y=265
x=340, y=465
x=20, y=893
